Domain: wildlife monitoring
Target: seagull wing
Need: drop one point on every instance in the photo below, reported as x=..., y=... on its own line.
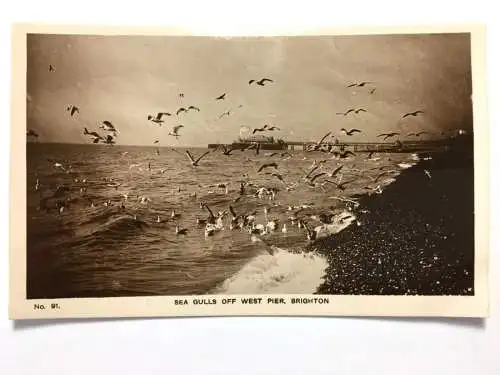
x=312, y=170
x=324, y=137
x=337, y=170
x=190, y=156
x=107, y=123
x=209, y=211
x=317, y=176
x=202, y=156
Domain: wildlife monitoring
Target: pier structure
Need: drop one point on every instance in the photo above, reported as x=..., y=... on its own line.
x=396, y=146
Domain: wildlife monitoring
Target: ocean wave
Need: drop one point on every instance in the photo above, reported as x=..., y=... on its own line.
x=279, y=271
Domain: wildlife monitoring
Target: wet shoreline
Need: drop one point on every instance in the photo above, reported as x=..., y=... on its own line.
x=417, y=237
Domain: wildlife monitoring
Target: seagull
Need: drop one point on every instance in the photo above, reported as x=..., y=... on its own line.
x=158, y=117
x=264, y=128
x=72, y=109
x=273, y=128
x=388, y=135
x=109, y=140
x=412, y=113
x=226, y=150
x=194, y=162
x=175, y=130
x=32, y=133
x=182, y=109
x=192, y=107
x=311, y=180
x=340, y=186
x=347, y=112
x=221, y=97
x=360, y=84
x=350, y=132
x=261, y=82
x=268, y=165
x=52, y=68
x=335, y=171
x=108, y=126
x=372, y=91
x=96, y=136
x=360, y=110
x=428, y=173
x=227, y=113
x=180, y=231
x=316, y=146
x=282, y=154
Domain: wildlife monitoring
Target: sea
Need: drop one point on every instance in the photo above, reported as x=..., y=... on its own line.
x=101, y=219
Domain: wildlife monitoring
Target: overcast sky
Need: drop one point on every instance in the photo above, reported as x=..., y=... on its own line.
x=122, y=79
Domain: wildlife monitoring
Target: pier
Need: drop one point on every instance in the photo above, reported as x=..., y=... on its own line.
x=397, y=146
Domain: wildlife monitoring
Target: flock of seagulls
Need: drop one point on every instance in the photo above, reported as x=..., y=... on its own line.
x=319, y=176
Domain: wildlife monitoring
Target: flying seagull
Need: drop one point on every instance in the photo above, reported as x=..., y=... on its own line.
x=273, y=128
x=335, y=171
x=311, y=180
x=158, y=117
x=360, y=84
x=350, y=132
x=388, y=135
x=347, y=112
x=227, y=113
x=72, y=109
x=268, y=165
x=194, y=162
x=175, y=130
x=412, y=113
x=221, y=97
x=108, y=126
x=226, y=150
x=32, y=133
x=264, y=128
x=340, y=186
x=182, y=109
x=52, y=68
x=109, y=140
x=96, y=136
x=262, y=82
x=192, y=107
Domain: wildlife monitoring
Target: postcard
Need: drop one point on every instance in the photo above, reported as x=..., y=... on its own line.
x=159, y=172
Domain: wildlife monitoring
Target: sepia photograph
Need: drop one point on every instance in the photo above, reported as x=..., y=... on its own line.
x=251, y=166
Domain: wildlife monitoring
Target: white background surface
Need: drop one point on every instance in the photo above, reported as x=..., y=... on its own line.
x=251, y=345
